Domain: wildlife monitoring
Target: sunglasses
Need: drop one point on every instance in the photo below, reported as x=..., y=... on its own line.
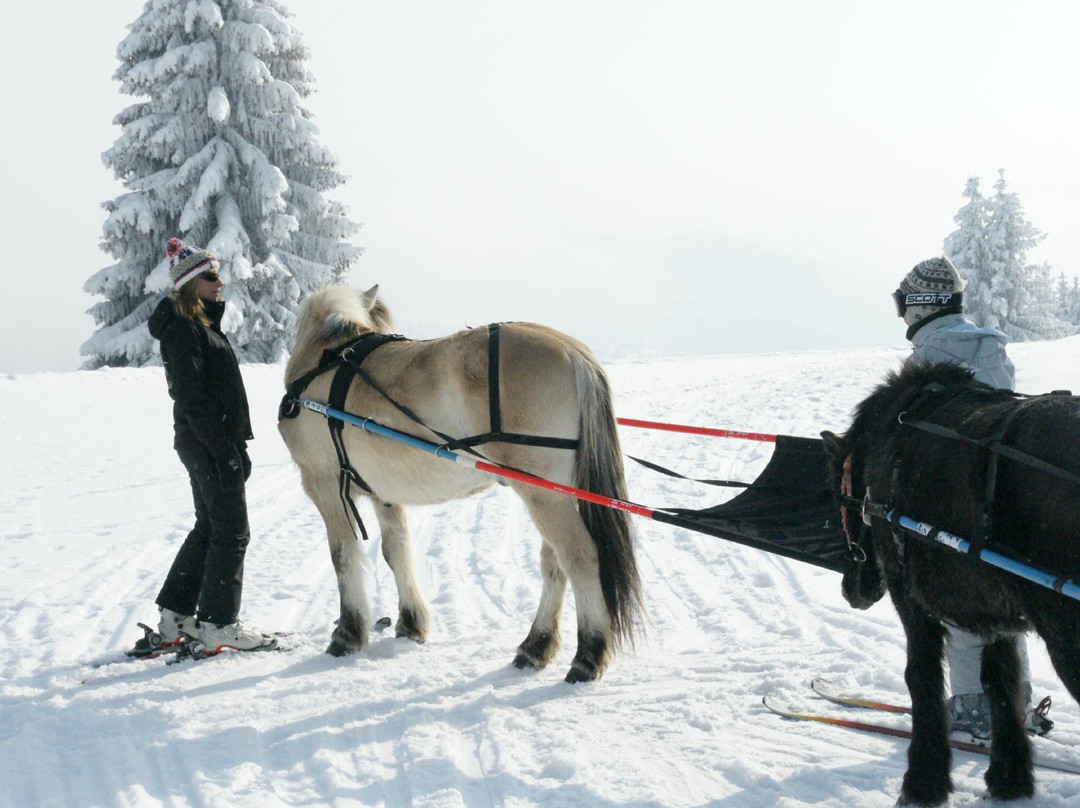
x=211, y=276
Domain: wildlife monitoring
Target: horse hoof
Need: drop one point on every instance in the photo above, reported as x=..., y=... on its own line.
x=576, y=674
x=336, y=648
x=523, y=661
x=408, y=626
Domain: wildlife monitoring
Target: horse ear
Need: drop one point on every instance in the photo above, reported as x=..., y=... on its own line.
x=834, y=444
x=369, y=297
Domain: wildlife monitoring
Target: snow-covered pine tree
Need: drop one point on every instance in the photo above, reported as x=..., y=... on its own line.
x=966, y=248
x=1072, y=303
x=1041, y=316
x=222, y=154
x=1009, y=237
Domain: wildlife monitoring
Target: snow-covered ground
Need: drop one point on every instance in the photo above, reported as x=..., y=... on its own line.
x=95, y=504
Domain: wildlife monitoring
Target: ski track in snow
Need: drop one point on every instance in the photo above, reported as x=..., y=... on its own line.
x=96, y=504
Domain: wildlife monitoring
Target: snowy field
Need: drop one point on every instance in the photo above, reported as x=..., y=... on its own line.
x=95, y=504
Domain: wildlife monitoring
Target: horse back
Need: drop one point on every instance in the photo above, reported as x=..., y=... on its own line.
x=944, y=482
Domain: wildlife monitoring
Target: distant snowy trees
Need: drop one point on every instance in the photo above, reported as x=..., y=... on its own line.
x=221, y=153
x=989, y=247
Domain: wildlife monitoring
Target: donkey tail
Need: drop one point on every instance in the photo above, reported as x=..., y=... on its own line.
x=599, y=469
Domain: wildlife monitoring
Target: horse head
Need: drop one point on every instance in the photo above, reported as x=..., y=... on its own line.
x=330, y=317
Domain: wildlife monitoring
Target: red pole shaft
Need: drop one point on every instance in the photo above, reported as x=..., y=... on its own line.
x=540, y=482
x=697, y=430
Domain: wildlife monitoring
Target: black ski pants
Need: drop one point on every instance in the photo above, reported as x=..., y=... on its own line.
x=207, y=575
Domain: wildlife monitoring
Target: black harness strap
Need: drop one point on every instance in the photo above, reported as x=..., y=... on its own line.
x=994, y=450
x=351, y=353
x=346, y=358
x=348, y=476
x=670, y=473
x=348, y=361
x=992, y=443
x=496, y=435
x=494, y=402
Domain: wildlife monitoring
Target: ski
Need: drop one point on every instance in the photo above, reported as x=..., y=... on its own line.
x=150, y=646
x=774, y=705
x=827, y=690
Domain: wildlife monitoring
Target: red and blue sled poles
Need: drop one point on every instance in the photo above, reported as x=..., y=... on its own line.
x=665, y=517
x=376, y=428
x=697, y=430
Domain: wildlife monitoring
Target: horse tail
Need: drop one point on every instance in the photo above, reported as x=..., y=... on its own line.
x=599, y=469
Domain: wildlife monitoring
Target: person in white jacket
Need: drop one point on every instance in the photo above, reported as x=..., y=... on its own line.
x=930, y=300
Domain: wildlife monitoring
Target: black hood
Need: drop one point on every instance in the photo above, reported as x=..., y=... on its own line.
x=164, y=316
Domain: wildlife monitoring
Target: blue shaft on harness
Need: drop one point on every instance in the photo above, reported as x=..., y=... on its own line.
x=929, y=533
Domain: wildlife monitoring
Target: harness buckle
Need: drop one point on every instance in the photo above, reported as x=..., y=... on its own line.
x=289, y=407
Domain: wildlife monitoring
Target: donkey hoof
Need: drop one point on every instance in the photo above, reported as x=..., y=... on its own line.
x=337, y=648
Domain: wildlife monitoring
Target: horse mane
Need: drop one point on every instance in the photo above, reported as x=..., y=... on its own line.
x=901, y=387
x=331, y=317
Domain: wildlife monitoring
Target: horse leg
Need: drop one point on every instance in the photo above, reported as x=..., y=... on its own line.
x=1010, y=775
x=545, y=637
x=350, y=565
x=1058, y=623
x=414, y=618
x=559, y=523
x=927, y=780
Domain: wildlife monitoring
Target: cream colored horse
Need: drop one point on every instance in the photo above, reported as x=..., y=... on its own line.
x=550, y=385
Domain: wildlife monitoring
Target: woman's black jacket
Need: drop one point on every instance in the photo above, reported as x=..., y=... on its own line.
x=204, y=379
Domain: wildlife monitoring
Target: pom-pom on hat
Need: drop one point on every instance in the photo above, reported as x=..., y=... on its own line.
x=932, y=286
x=185, y=262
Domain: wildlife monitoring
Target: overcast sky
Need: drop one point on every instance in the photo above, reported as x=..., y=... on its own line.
x=652, y=177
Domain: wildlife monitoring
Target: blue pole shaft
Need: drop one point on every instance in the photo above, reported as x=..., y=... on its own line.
x=1037, y=576
x=378, y=429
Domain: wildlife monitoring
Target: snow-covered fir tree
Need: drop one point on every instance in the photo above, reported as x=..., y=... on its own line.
x=989, y=248
x=1072, y=303
x=1041, y=317
x=966, y=248
x=220, y=152
x=1009, y=237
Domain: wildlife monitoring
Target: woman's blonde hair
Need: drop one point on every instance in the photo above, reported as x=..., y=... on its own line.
x=189, y=304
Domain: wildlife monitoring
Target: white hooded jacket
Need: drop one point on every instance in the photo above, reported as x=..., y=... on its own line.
x=954, y=338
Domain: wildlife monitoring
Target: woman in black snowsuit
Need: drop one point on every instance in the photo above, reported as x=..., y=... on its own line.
x=212, y=427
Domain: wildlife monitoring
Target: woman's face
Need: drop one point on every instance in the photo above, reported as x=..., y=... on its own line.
x=210, y=286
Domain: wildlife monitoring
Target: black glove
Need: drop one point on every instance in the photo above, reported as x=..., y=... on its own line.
x=246, y=461
x=230, y=469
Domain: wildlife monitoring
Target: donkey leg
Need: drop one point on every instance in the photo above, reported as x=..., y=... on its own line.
x=927, y=780
x=545, y=637
x=414, y=618
x=350, y=566
x=1010, y=775
x=558, y=521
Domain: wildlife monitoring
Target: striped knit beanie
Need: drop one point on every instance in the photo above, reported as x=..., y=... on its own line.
x=931, y=287
x=185, y=262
